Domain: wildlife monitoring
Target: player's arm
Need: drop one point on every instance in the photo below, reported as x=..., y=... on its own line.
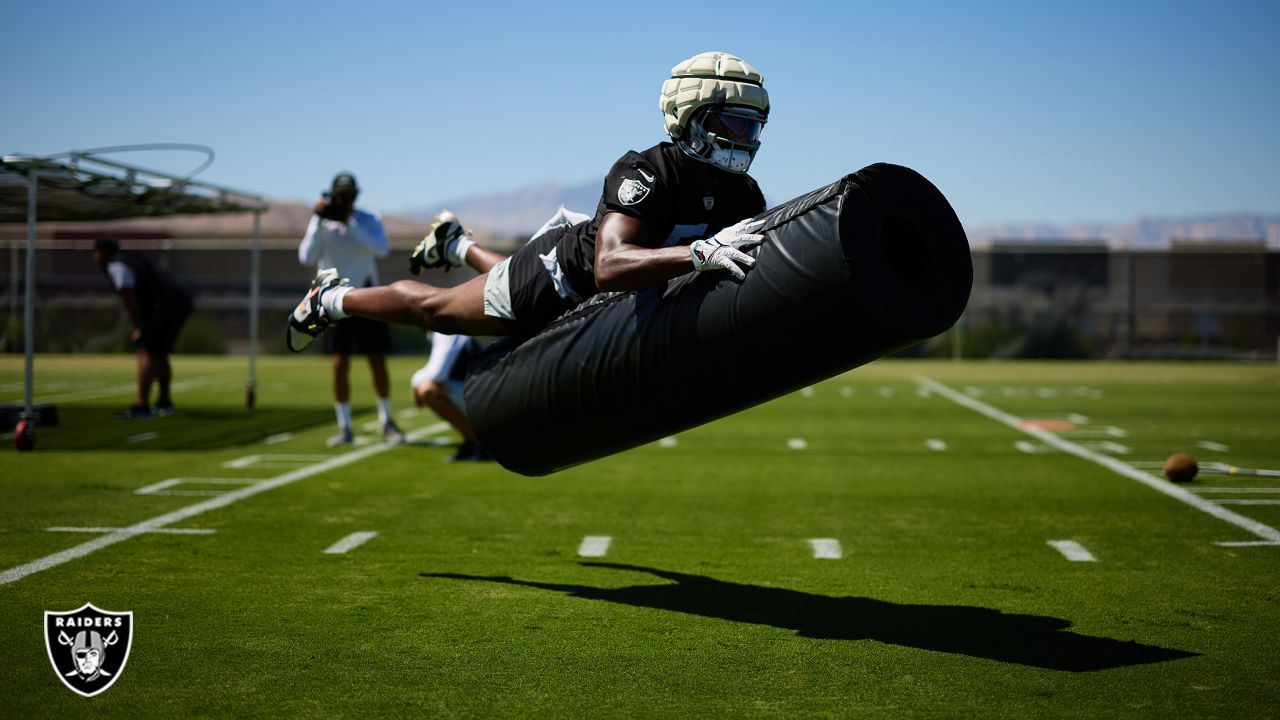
x=129, y=299
x=623, y=262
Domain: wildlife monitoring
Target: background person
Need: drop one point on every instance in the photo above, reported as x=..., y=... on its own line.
x=344, y=237
x=438, y=385
x=157, y=307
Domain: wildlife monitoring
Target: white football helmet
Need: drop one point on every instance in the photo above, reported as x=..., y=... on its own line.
x=714, y=106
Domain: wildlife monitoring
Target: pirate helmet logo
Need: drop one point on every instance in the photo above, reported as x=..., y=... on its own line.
x=88, y=647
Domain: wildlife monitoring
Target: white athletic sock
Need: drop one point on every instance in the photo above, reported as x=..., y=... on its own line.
x=384, y=410
x=331, y=300
x=458, y=249
x=343, y=411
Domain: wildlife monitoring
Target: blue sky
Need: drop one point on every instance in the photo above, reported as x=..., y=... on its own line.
x=1020, y=111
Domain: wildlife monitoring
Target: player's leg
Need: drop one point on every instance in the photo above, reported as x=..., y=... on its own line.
x=456, y=311
x=382, y=386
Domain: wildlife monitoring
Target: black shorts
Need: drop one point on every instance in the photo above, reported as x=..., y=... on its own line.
x=358, y=336
x=161, y=326
x=535, y=301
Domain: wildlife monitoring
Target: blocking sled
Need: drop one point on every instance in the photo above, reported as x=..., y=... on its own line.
x=848, y=273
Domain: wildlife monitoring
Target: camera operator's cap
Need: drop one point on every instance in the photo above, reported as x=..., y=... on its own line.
x=344, y=183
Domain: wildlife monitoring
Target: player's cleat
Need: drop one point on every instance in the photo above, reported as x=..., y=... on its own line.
x=136, y=412
x=340, y=438
x=469, y=452
x=310, y=319
x=392, y=434
x=434, y=251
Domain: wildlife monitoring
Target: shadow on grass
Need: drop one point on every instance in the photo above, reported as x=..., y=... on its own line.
x=192, y=428
x=1032, y=640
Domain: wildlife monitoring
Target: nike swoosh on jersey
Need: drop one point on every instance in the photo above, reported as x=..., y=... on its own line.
x=645, y=175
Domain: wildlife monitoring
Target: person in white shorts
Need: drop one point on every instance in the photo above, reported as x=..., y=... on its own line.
x=438, y=385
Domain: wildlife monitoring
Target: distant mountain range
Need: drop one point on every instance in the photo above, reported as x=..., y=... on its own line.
x=521, y=211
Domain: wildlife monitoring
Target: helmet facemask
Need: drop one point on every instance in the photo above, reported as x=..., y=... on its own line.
x=726, y=136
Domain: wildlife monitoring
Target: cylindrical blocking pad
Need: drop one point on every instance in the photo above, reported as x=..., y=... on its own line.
x=851, y=272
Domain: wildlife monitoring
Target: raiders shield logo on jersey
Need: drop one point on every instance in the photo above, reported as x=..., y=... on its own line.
x=88, y=647
x=708, y=202
x=631, y=191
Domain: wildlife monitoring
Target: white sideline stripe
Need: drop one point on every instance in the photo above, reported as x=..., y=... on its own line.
x=155, y=523
x=1248, y=543
x=1072, y=550
x=826, y=549
x=274, y=458
x=164, y=531
x=1236, y=490
x=156, y=488
x=1248, y=502
x=797, y=443
x=1266, y=532
x=594, y=546
x=350, y=542
x=936, y=445
x=106, y=391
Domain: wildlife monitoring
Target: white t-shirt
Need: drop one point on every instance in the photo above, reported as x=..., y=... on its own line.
x=350, y=247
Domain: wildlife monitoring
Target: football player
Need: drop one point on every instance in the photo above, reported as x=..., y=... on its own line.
x=676, y=205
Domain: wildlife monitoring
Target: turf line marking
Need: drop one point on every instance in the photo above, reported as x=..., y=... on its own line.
x=936, y=445
x=1072, y=550
x=161, y=487
x=1248, y=502
x=143, y=437
x=1249, y=543
x=277, y=438
x=354, y=540
x=1214, y=446
x=797, y=443
x=221, y=501
x=668, y=442
x=106, y=391
x=1262, y=530
x=162, y=531
x=826, y=549
x=594, y=546
x=1236, y=490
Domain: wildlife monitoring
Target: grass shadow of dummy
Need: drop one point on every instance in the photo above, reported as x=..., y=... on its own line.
x=1032, y=640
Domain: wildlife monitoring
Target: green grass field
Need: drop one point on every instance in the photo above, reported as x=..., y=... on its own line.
x=473, y=601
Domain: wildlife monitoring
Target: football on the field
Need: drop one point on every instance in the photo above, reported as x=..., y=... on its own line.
x=1180, y=468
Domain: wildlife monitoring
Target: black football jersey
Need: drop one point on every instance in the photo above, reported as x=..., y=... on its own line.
x=659, y=187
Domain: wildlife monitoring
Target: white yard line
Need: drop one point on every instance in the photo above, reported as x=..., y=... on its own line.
x=797, y=443
x=350, y=542
x=1072, y=550
x=190, y=511
x=106, y=391
x=826, y=549
x=1262, y=530
x=594, y=546
x=163, y=531
x=160, y=487
x=936, y=445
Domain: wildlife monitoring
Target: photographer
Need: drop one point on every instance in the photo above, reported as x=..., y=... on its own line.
x=350, y=239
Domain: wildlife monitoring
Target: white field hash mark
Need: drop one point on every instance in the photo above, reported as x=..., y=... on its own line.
x=594, y=546
x=826, y=549
x=1262, y=530
x=350, y=542
x=1072, y=550
x=17, y=573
